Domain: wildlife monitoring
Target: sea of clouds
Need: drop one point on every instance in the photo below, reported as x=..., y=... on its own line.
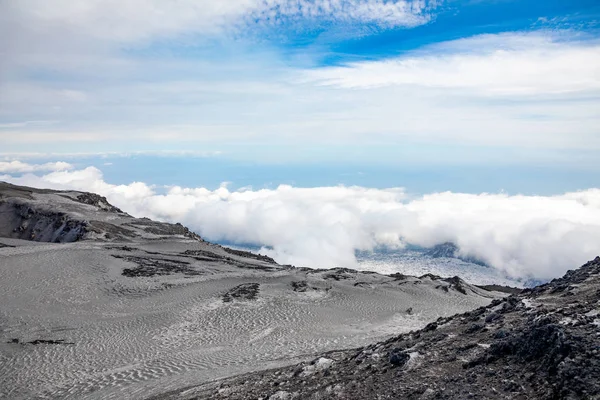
x=521, y=236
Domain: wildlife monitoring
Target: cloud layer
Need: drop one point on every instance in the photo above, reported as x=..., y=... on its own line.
x=536, y=91
x=523, y=236
x=510, y=64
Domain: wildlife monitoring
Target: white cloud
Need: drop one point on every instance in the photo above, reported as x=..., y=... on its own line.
x=458, y=97
x=144, y=19
x=524, y=236
x=166, y=116
x=16, y=166
x=506, y=64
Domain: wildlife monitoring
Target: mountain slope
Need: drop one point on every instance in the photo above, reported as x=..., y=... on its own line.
x=543, y=343
x=57, y=216
x=130, y=308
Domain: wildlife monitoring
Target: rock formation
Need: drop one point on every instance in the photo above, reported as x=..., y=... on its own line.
x=45, y=215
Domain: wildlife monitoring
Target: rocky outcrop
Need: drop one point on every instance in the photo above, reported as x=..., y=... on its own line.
x=156, y=266
x=543, y=343
x=248, y=254
x=45, y=215
x=98, y=201
x=243, y=292
x=450, y=250
x=22, y=221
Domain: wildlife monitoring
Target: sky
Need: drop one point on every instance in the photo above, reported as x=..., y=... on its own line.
x=496, y=99
x=490, y=83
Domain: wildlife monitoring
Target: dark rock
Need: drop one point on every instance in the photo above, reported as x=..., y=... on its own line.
x=398, y=276
x=44, y=341
x=500, y=334
x=500, y=288
x=209, y=256
x=474, y=328
x=122, y=248
x=492, y=317
x=510, y=304
x=450, y=250
x=340, y=274
x=457, y=284
x=98, y=201
x=430, y=327
x=243, y=292
x=476, y=314
x=153, y=266
x=247, y=254
x=398, y=358
x=299, y=286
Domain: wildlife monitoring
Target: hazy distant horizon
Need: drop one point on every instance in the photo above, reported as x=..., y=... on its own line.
x=212, y=171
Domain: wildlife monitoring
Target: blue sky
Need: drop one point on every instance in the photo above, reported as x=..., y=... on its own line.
x=465, y=96
x=211, y=172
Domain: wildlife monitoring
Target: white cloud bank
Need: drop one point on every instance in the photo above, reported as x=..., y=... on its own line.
x=524, y=236
x=16, y=166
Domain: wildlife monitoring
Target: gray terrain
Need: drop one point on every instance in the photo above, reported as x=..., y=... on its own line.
x=543, y=343
x=95, y=303
x=65, y=216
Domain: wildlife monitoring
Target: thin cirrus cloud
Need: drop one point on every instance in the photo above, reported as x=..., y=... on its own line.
x=143, y=19
x=521, y=236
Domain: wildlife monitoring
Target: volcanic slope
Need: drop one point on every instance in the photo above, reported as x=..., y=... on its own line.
x=67, y=216
x=120, y=307
x=543, y=343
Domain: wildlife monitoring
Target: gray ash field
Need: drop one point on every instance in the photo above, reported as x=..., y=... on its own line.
x=121, y=307
x=543, y=343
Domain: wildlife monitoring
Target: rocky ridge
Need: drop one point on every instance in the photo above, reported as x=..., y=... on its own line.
x=55, y=216
x=450, y=250
x=543, y=343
